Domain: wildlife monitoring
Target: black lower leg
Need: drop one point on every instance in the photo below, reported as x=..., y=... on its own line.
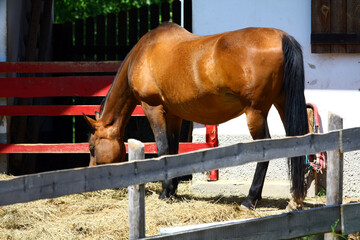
x=256, y=186
x=169, y=186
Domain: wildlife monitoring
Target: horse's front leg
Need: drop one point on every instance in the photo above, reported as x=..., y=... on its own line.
x=166, y=129
x=173, y=126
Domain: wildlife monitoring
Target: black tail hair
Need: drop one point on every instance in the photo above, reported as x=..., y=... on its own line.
x=296, y=121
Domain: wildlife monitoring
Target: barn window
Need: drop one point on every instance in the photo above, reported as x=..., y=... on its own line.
x=335, y=26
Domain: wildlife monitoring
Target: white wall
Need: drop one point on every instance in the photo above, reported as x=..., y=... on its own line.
x=322, y=71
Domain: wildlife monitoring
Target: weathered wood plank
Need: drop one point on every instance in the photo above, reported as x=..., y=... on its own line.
x=350, y=218
x=49, y=185
x=320, y=23
x=58, y=110
x=72, y=86
x=136, y=195
x=283, y=226
x=350, y=139
x=45, y=148
x=41, y=110
x=150, y=147
x=334, y=178
x=353, y=22
x=59, y=67
x=260, y=151
x=335, y=38
x=338, y=22
x=334, y=174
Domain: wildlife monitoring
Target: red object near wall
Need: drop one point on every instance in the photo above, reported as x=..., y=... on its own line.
x=212, y=138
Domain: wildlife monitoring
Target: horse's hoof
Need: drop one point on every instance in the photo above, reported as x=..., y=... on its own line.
x=293, y=206
x=167, y=197
x=163, y=195
x=249, y=204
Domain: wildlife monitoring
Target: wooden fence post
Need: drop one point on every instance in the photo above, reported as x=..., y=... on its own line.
x=334, y=178
x=136, y=195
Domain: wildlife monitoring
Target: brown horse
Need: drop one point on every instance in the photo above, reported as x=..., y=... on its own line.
x=177, y=75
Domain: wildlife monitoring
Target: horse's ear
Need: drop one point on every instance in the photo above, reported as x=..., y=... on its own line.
x=97, y=116
x=91, y=122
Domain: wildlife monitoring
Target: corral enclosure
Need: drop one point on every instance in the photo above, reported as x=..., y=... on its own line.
x=104, y=214
x=318, y=97
x=294, y=224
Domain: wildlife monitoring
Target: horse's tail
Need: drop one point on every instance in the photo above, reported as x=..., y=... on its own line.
x=296, y=122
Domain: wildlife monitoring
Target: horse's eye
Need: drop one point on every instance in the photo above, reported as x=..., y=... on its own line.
x=92, y=150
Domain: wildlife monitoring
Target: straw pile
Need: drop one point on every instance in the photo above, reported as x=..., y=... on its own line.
x=104, y=214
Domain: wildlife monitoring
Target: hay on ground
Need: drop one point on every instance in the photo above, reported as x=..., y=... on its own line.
x=104, y=214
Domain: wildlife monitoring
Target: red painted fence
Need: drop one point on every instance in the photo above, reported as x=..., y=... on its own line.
x=83, y=86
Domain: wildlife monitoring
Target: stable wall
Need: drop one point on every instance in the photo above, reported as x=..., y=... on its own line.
x=332, y=80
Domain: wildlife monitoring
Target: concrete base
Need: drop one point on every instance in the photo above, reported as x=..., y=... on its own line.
x=273, y=189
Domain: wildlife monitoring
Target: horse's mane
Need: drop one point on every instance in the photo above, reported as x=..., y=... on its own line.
x=103, y=102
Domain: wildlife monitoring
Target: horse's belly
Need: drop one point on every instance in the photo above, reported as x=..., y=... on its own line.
x=213, y=110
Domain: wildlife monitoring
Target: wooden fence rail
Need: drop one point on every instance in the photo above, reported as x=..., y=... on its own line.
x=283, y=226
x=64, y=182
x=314, y=221
x=62, y=86
x=331, y=220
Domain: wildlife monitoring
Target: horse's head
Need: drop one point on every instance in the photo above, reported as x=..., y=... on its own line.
x=104, y=143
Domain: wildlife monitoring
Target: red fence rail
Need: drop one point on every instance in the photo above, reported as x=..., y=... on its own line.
x=84, y=86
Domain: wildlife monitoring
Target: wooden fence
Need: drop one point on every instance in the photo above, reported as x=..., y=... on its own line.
x=111, y=37
x=283, y=226
x=295, y=224
x=70, y=85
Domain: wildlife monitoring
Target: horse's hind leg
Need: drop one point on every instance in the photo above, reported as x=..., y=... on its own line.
x=166, y=130
x=258, y=128
x=294, y=204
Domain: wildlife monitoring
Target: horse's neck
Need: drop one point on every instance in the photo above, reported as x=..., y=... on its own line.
x=119, y=102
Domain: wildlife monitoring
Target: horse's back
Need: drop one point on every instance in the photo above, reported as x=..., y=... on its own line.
x=200, y=77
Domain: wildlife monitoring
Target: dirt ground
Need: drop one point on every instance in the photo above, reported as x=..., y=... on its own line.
x=104, y=214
